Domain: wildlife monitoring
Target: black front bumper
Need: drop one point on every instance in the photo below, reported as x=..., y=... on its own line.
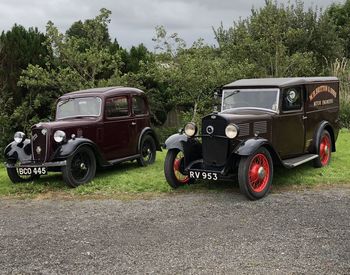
x=224, y=172
x=37, y=164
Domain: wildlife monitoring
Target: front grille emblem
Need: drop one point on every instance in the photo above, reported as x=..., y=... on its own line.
x=44, y=131
x=38, y=150
x=210, y=129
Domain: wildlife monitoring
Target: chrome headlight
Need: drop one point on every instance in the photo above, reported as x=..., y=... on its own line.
x=231, y=131
x=59, y=136
x=190, y=129
x=19, y=137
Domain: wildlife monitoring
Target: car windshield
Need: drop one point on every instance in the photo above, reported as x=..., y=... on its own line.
x=250, y=98
x=78, y=107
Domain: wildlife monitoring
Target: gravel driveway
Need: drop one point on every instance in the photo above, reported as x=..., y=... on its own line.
x=289, y=232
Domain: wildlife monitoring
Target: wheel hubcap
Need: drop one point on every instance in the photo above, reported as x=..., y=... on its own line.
x=325, y=151
x=80, y=166
x=259, y=173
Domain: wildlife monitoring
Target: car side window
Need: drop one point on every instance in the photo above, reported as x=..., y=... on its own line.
x=117, y=107
x=139, y=105
x=292, y=99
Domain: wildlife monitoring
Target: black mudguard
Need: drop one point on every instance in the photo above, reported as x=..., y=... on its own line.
x=71, y=146
x=149, y=131
x=249, y=146
x=176, y=141
x=191, y=147
x=18, y=151
x=324, y=125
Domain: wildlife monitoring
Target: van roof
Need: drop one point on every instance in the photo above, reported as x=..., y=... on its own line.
x=279, y=82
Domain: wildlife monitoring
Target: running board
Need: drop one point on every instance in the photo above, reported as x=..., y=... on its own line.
x=116, y=161
x=293, y=162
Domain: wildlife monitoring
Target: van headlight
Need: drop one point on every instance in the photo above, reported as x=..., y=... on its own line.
x=19, y=137
x=231, y=131
x=59, y=136
x=190, y=129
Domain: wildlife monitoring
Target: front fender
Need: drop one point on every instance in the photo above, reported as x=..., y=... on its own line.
x=191, y=147
x=18, y=151
x=175, y=141
x=71, y=146
x=249, y=146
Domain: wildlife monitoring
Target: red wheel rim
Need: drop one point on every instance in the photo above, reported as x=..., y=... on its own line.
x=325, y=150
x=177, y=169
x=259, y=173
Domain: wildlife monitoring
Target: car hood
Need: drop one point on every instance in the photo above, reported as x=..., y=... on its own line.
x=66, y=123
x=241, y=115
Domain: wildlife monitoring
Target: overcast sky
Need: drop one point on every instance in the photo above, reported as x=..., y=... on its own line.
x=133, y=21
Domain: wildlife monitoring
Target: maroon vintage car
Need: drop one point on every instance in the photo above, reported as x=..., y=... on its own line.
x=262, y=123
x=95, y=127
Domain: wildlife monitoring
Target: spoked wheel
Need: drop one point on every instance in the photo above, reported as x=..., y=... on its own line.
x=80, y=168
x=147, y=151
x=16, y=177
x=255, y=174
x=324, y=150
x=174, y=167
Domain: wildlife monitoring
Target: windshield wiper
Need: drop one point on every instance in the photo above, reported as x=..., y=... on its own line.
x=62, y=102
x=233, y=93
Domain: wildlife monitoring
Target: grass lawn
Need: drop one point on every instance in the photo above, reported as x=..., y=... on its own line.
x=128, y=180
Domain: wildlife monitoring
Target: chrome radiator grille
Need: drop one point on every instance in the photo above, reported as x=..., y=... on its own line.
x=215, y=147
x=39, y=144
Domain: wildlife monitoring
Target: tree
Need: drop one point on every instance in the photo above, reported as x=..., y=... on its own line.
x=18, y=48
x=282, y=41
x=77, y=62
x=340, y=15
x=190, y=75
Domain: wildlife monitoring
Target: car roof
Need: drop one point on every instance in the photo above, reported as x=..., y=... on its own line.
x=105, y=92
x=279, y=82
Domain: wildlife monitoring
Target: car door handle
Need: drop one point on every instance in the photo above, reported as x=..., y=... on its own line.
x=304, y=117
x=133, y=123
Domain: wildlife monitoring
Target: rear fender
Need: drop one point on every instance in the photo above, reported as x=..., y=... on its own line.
x=324, y=125
x=149, y=131
x=18, y=151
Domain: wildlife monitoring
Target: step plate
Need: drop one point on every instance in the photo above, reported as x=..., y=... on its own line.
x=293, y=162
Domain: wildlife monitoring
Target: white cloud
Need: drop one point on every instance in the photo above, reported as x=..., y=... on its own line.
x=133, y=21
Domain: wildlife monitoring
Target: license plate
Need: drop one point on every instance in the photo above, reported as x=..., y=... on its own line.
x=203, y=175
x=32, y=170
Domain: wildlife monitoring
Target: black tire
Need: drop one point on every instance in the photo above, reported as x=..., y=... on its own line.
x=324, y=150
x=173, y=175
x=16, y=178
x=80, y=168
x=255, y=174
x=148, y=151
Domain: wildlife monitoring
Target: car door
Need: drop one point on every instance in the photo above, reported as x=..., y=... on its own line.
x=141, y=114
x=118, y=125
x=289, y=128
